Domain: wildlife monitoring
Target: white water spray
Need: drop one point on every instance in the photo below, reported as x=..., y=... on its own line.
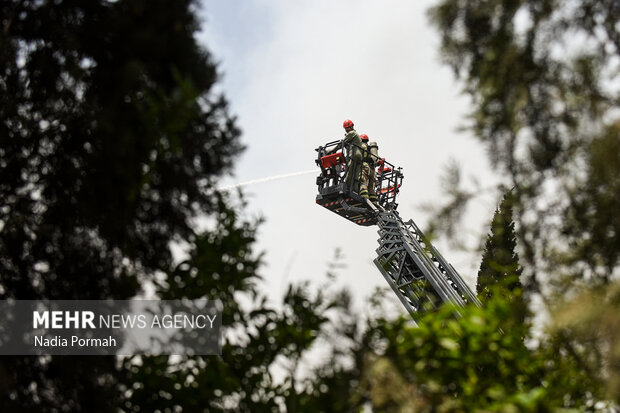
x=269, y=178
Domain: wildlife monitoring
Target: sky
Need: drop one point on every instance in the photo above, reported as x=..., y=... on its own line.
x=292, y=72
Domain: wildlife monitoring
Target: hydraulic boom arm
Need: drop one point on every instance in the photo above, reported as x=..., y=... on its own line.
x=417, y=273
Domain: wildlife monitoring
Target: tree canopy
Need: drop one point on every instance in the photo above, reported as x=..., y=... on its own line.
x=540, y=75
x=111, y=136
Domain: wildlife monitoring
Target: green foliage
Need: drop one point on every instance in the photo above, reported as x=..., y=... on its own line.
x=591, y=224
x=470, y=365
x=500, y=261
x=110, y=140
x=111, y=137
x=500, y=270
x=540, y=75
x=591, y=323
x=260, y=369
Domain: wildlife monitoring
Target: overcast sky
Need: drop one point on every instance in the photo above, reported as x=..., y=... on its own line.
x=293, y=71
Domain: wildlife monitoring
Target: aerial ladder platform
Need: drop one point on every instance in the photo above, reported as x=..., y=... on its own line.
x=416, y=272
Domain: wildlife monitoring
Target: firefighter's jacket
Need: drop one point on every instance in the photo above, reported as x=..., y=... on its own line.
x=353, y=138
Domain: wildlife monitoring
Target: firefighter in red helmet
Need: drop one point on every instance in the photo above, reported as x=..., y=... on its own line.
x=354, y=165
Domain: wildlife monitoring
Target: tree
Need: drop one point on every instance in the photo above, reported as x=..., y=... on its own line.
x=500, y=270
x=500, y=261
x=111, y=138
x=111, y=142
x=539, y=75
x=266, y=363
x=541, y=78
x=451, y=365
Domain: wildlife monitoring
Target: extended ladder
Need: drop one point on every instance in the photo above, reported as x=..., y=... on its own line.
x=417, y=273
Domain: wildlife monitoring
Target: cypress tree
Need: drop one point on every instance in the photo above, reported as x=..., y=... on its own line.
x=500, y=270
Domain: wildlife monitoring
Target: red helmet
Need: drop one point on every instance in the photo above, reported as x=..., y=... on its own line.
x=347, y=123
x=364, y=137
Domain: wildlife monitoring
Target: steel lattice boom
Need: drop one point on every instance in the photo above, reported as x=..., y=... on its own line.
x=417, y=273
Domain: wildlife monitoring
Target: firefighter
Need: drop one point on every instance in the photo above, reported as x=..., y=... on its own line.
x=370, y=159
x=354, y=164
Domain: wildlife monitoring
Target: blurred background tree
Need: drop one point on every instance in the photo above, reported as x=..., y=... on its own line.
x=110, y=143
x=111, y=140
x=542, y=79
